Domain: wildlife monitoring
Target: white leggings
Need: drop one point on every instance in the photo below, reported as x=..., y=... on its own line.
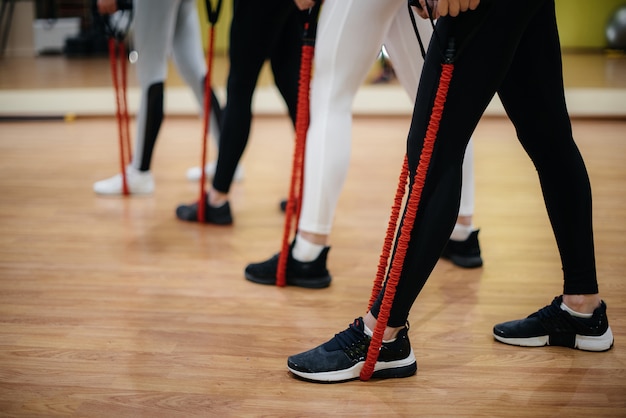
x=349, y=37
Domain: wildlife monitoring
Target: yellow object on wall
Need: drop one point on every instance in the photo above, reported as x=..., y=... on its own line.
x=222, y=27
x=582, y=23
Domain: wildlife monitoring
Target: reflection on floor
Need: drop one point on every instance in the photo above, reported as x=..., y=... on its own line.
x=58, y=86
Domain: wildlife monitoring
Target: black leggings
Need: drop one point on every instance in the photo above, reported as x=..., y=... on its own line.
x=260, y=30
x=512, y=49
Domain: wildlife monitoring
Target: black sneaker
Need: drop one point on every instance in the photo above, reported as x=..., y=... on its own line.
x=312, y=275
x=212, y=215
x=464, y=253
x=343, y=357
x=552, y=325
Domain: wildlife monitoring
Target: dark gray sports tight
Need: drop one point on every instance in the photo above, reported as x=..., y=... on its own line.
x=512, y=49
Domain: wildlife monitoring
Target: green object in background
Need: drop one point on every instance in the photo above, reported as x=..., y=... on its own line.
x=222, y=27
x=582, y=23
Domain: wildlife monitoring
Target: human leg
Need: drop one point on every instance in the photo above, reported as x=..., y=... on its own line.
x=478, y=85
x=254, y=31
x=154, y=28
x=188, y=56
x=187, y=52
x=532, y=93
x=285, y=57
x=314, y=360
x=403, y=47
x=463, y=248
x=546, y=135
x=478, y=73
x=153, y=31
x=339, y=71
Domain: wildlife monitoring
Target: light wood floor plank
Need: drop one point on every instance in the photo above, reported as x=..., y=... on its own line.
x=112, y=307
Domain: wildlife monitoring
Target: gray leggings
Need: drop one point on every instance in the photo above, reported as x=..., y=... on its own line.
x=161, y=28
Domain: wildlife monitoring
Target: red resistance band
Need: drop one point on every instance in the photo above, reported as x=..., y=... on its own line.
x=294, y=200
x=403, y=238
x=206, y=124
x=213, y=16
x=117, y=58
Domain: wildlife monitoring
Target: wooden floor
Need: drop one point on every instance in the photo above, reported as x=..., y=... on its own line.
x=111, y=307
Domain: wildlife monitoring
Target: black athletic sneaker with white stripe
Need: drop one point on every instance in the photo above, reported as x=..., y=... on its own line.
x=312, y=274
x=552, y=325
x=343, y=357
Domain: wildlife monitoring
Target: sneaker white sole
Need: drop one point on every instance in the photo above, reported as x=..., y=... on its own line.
x=103, y=188
x=582, y=342
x=403, y=366
x=119, y=192
x=138, y=184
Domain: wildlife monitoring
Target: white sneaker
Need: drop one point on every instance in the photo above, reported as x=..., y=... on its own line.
x=138, y=182
x=193, y=174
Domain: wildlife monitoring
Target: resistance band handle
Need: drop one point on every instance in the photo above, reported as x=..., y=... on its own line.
x=450, y=54
x=416, y=3
x=417, y=33
x=119, y=34
x=213, y=14
x=310, y=26
x=124, y=4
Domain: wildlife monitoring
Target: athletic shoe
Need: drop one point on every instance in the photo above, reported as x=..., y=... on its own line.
x=343, y=357
x=464, y=253
x=312, y=275
x=212, y=215
x=194, y=173
x=552, y=325
x=138, y=182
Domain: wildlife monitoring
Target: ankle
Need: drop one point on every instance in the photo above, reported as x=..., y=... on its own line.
x=461, y=232
x=582, y=303
x=314, y=238
x=389, y=334
x=304, y=250
x=216, y=198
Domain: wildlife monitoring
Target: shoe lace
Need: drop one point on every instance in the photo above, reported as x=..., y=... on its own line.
x=553, y=318
x=353, y=340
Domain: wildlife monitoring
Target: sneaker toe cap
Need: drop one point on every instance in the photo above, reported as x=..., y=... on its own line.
x=264, y=272
x=521, y=328
x=319, y=360
x=187, y=212
x=112, y=186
